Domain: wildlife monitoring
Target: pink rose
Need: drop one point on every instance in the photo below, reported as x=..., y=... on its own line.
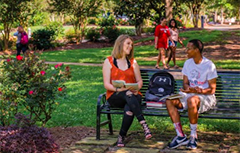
x=30, y=92
x=56, y=66
x=8, y=60
x=43, y=73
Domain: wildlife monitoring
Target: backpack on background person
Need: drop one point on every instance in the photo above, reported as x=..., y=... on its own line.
x=24, y=38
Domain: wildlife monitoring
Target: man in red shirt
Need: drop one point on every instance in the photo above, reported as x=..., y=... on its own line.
x=162, y=34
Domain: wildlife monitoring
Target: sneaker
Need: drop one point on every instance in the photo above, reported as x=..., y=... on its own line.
x=178, y=141
x=120, y=141
x=192, y=143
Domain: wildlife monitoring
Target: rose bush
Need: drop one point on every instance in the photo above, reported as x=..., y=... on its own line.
x=30, y=86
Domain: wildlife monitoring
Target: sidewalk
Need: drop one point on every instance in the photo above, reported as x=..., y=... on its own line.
x=135, y=143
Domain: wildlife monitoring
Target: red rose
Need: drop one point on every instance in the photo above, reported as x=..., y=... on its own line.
x=8, y=60
x=30, y=92
x=19, y=57
x=43, y=73
x=59, y=89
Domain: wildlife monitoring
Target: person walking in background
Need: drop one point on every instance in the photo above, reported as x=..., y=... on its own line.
x=175, y=36
x=22, y=40
x=162, y=34
x=199, y=86
x=121, y=65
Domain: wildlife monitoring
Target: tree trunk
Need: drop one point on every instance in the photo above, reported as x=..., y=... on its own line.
x=222, y=18
x=138, y=29
x=215, y=15
x=169, y=9
x=195, y=20
x=6, y=37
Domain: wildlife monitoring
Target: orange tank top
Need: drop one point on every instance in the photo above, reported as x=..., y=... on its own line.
x=118, y=74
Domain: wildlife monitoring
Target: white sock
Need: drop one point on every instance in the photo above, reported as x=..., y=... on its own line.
x=178, y=128
x=193, y=128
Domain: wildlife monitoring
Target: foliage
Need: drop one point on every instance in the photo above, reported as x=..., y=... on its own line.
x=71, y=36
x=25, y=137
x=136, y=10
x=148, y=30
x=130, y=32
x=195, y=8
x=10, y=12
x=93, y=34
x=57, y=27
x=28, y=84
x=108, y=21
x=111, y=33
x=78, y=10
x=92, y=20
x=38, y=19
x=42, y=38
x=11, y=43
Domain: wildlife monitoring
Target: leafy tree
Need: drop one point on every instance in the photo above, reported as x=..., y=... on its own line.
x=10, y=12
x=136, y=10
x=236, y=5
x=78, y=10
x=195, y=6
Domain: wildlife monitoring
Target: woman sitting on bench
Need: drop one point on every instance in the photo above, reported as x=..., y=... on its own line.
x=122, y=66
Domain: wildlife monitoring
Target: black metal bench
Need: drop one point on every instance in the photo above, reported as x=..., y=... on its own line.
x=227, y=94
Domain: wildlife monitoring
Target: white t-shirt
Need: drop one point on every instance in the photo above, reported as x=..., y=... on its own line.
x=199, y=74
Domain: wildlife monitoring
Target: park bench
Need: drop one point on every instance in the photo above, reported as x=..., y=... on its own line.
x=227, y=94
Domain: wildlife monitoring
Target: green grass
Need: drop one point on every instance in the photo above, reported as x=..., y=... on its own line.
x=79, y=108
x=97, y=55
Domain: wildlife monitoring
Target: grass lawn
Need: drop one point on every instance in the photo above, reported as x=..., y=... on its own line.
x=97, y=55
x=79, y=108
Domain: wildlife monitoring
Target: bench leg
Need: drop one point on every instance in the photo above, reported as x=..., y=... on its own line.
x=110, y=124
x=98, y=123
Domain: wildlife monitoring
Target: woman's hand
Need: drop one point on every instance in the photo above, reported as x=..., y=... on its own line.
x=135, y=92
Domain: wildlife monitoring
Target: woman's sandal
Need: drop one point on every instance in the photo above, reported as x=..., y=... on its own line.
x=165, y=67
x=176, y=67
x=157, y=67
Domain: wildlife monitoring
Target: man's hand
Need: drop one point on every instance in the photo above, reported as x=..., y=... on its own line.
x=189, y=90
x=198, y=90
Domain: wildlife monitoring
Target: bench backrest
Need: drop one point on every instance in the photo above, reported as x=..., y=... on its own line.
x=227, y=91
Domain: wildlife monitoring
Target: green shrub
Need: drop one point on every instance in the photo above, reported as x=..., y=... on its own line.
x=57, y=27
x=42, y=38
x=28, y=84
x=71, y=36
x=92, y=20
x=122, y=22
x=130, y=32
x=93, y=34
x=11, y=43
x=111, y=33
x=179, y=23
x=107, y=22
x=148, y=30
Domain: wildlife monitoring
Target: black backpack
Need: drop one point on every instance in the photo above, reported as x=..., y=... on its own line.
x=161, y=84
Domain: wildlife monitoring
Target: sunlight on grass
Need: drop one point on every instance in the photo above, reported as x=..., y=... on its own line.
x=79, y=107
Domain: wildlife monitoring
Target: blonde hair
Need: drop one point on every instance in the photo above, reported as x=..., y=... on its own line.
x=118, y=47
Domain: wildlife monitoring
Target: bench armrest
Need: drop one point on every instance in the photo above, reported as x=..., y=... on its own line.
x=101, y=98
